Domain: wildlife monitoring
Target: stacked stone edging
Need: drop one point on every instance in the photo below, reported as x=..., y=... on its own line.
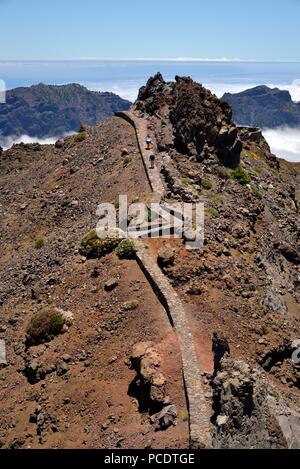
x=153, y=175
x=199, y=413
x=199, y=416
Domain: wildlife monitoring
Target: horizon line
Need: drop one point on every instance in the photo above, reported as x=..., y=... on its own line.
x=155, y=59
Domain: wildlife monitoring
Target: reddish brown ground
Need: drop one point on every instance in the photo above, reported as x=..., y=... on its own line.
x=89, y=406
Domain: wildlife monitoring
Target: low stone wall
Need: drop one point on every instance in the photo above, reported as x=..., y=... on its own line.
x=199, y=415
x=153, y=175
x=199, y=411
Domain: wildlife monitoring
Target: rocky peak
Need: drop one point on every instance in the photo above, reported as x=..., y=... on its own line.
x=195, y=122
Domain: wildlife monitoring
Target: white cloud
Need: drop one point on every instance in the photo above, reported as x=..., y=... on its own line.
x=294, y=89
x=8, y=142
x=126, y=89
x=162, y=59
x=284, y=142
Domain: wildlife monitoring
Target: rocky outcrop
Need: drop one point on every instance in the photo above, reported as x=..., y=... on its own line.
x=201, y=124
x=249, y=411
x=166, y=256
x=220, y=348
x=149, y=385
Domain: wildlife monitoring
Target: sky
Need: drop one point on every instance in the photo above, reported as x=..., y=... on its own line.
x=74, y=29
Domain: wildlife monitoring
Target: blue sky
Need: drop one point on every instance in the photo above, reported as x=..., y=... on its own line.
x=70, y=29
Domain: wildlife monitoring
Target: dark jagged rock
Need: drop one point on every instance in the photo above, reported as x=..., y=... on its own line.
x=249, y=412
x=263, y=107
x=195, y=122
x=220, y=348
x=46, y=110
x=288, y=251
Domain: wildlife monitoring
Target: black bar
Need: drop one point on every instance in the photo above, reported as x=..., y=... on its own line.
x=208, y=459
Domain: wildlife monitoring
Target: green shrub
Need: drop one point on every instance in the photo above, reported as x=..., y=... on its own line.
x=256, y=192
x=216, y=198
x=185, y=416
x=127, y=160
x=81, y=128
x=92, y=247
x=39, y=243
x=131, y=305
x=206, y=184
x=250, y=154
x=186, y=181
x=80, y=137
x=213, y=212
x=117, y=204
x=126, y=249
x=43, y=326
x=223, y=172
x=149, y=215
x=135, y=200
x=241, y=175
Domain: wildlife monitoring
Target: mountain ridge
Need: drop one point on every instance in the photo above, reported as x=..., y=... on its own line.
x=264, y=107
x=45, y=111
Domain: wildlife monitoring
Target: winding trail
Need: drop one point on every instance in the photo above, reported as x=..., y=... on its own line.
x=199, y=411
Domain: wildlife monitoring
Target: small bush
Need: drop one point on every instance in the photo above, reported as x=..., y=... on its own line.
x=80, y=137
x=256, y=192
x=81, y=128
x=92, y=247
x=213, y=212
x=117, y=204
x=149, y=215
x=251, y=154
x=127, y=160
x=186, y=181
x=43, y=326
x=216, y=198
x=223, y=172
x=126, y=249
x=241, y=175
x=206, y=184
x=39, y=243
x=135, y=200
x=131, y=305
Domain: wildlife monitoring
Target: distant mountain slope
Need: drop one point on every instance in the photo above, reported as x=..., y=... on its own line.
x=47, y=110
x=264, y=107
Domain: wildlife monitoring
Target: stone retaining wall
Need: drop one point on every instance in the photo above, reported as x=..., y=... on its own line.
x=199, y=411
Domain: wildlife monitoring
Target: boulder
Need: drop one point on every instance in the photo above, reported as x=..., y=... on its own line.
x=111, y=284
x=166, y=418
x=274, y=302
x=166, y=256
x=150, y=381
x=288, y=251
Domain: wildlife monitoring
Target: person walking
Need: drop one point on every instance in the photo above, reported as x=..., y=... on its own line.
x=148, y=141
x=152, y=160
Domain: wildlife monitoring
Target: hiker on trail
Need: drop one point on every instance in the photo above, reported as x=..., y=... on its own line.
x=148, y=141
x=152, y=159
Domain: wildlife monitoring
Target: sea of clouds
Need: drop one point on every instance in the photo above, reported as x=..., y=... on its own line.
x=8, y=142
x=284, y=142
